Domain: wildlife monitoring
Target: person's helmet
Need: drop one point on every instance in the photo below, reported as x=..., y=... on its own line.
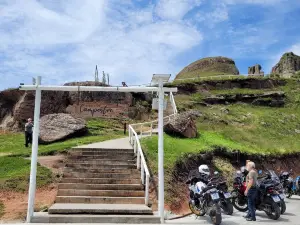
x=243, y=169
x=204, y=170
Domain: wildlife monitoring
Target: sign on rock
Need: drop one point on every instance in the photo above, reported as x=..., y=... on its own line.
x=98, y=109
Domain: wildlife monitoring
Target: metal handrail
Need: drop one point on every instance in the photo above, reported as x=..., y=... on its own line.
x=135, y=142
x=141, y=162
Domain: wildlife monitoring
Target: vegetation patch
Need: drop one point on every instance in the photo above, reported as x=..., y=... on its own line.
x=15, y=173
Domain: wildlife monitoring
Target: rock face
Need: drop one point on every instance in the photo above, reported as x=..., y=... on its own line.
x=183, y=126
x=60, y=126
x=209, y=67
x=288, y=65
x=272, y=99
x=255, y=70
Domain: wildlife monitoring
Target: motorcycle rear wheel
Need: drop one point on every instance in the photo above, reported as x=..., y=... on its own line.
x=215, y=215
x=236, y=203
x=275, y=211
x=196, y=210
x=227, y=207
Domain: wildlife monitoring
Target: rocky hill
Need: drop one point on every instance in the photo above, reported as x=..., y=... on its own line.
x=210, y=66
x=17, y=106
x=289, y=64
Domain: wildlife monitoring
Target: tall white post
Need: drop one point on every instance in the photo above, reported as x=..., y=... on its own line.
x=34, y=152
x=161, y=203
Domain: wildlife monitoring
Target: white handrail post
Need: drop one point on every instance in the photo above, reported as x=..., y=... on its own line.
x=138, y=159
x=143, y=173
x=147, y=190
x=134, y=145
x=161, y=200
x=34, y=152
x=151, y=128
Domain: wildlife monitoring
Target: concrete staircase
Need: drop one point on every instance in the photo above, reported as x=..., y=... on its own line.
x=99, y=185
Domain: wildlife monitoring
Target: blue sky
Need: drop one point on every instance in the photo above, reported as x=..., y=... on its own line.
x=131, y=39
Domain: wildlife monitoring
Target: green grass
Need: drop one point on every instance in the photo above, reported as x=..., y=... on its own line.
x=245, y=127
x=99, y=130
x=15, y=171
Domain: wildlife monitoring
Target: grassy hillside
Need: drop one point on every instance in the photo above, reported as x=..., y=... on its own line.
x=240, y=126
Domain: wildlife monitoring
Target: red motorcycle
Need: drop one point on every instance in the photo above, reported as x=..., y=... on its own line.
x=239, y=200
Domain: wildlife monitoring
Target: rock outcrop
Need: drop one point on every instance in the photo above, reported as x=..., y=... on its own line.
x=60, y=126
x=272, y=99
x=209, y=67
x=288, y=65
x=182, y=125
x=255, y=70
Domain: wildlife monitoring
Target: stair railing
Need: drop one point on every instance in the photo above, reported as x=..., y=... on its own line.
x=144, y=130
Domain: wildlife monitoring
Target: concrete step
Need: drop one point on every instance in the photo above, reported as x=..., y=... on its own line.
x=102, y=161
x=98, y=199
x=107, y=193
x=105, y=170
x=100, y=181
x=129, y=209
x=102, y=156
x=101, y=150
x=94, y=166
x=100, y=186
x=102, y=175
x=43, y=217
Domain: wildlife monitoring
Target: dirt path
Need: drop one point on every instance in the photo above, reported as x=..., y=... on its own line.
x=16, y=203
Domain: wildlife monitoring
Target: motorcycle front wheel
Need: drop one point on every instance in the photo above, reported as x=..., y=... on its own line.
x=227, y=207
x=196, y=210
x=288, y=193
x=275, y=211
x=282, y=206
x=215, y=215
x=239, y=202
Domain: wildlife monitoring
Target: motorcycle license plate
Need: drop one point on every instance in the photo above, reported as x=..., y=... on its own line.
x=214, y=196
x=276, y=198
x=227, y=195
x=282, y=196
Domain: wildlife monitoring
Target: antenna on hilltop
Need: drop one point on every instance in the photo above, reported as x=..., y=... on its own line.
x=96, y=75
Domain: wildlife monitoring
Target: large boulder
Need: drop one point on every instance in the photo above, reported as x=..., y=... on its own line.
x=183, y=125
x=60, y=126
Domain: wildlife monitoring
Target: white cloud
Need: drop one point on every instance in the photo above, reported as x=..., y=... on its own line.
x=295, y=49
x=259, y=2
x=175, y=9
x=63, y=42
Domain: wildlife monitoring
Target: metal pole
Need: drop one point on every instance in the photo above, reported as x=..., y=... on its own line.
x=34, y=152
x=161, y=153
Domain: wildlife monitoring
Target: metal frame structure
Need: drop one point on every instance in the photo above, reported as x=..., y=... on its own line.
x=38, y=88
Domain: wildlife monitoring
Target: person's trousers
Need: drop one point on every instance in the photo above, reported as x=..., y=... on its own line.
x=251, y=202
x=28, y=138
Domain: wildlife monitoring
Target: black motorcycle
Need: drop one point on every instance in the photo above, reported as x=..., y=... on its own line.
x=225, y=195
x=271, y=175
x=267, y=199
x=206, y=201
x=287, y=182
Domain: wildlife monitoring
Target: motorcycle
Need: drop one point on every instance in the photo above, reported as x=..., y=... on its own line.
x=205, y=201
x=225, y=195
x=238, y=199
x=271, y=175
x=291, y=186
x=267, y=199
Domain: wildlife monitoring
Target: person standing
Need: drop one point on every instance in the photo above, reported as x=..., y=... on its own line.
x=28, y=132
x=251, y=190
